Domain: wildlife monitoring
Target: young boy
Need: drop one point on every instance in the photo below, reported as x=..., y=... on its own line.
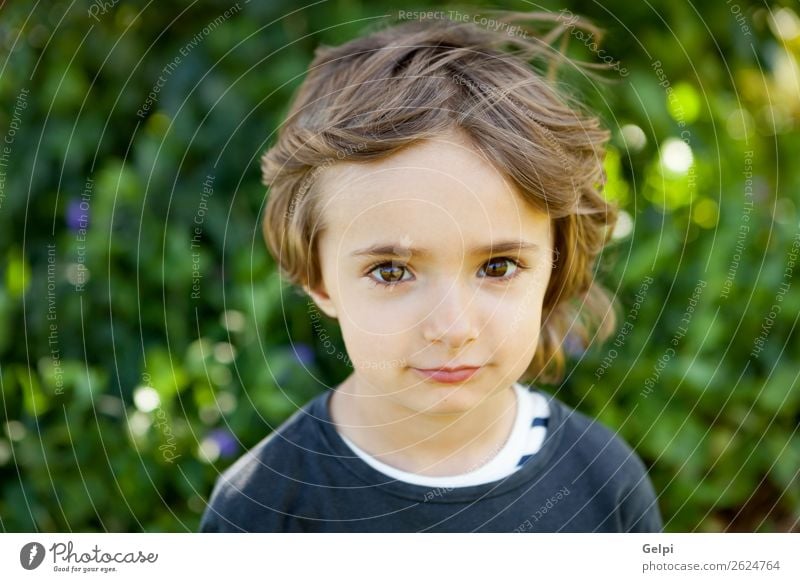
x=439, y=198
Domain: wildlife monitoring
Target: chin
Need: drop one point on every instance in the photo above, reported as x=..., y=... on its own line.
x=432, y=398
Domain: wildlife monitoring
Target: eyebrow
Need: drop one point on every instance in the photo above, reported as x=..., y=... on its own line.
x=394, y=250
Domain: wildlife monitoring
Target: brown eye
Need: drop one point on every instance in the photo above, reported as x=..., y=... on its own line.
x=389, y=273
x=498, y=268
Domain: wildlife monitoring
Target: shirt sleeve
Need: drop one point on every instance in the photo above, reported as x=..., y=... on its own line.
x=234, y=510
x=214, y=520
x=209, y=523
x=639, y=509
x=221, y=513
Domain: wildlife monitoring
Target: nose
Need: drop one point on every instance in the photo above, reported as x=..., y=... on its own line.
x=451, y=320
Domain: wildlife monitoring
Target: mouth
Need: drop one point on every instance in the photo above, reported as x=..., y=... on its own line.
x=449, y=375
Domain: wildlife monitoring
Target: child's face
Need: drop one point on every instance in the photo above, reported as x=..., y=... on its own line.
x=449, y=307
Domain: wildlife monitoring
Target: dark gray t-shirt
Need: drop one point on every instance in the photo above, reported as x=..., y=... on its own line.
x=304, y=478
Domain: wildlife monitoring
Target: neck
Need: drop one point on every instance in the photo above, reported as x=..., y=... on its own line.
x=426, y=444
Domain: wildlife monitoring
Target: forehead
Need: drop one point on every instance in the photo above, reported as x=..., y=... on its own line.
x=439, y=193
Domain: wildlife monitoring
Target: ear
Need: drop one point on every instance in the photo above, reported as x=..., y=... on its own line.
x=322, y=299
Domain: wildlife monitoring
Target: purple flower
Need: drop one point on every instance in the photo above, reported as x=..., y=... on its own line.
x=224, y=439
x=304, y=354
x=77, y=216
x=573, y=345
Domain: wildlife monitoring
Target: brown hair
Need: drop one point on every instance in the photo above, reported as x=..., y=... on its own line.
x=368, y=98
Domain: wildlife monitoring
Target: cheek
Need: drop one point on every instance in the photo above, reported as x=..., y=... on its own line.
x=381, y=314
x=375, y=331
x=374, y=356
x=526, y=315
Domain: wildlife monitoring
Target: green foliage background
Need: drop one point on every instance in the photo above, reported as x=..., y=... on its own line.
x=85, y=444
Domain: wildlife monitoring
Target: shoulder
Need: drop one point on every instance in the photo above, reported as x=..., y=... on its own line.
x=596, y=443
x=259, y=491
x=609, y=464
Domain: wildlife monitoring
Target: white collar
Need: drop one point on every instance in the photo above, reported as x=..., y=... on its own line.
x=501, y=465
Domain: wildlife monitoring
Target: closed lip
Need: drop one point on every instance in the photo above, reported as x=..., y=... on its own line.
x=450, y=375
x=456, y=369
